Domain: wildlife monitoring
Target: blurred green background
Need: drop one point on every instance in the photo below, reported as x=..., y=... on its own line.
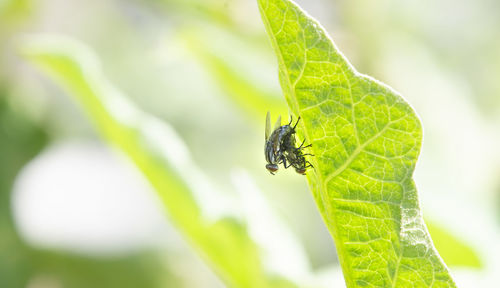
x=75, y=213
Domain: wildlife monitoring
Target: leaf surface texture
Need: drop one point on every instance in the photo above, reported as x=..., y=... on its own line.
x=366, y=140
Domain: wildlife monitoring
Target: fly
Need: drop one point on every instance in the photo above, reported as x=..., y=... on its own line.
x=272, y=146
x=280, y=147
x=297, y=159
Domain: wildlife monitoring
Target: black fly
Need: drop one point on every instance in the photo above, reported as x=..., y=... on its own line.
x=297, y=160
x=280, y=147
x=272, y=149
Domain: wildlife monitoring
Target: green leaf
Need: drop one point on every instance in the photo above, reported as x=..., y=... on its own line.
x=366, y=139
x=453, y=250
x=21, y=140
x=230, y=74
x=20, y=264
x=145, y=269
x=161, y=156
x=255, y=100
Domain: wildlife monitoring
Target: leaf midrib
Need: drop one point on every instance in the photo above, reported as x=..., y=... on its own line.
x=356, y=152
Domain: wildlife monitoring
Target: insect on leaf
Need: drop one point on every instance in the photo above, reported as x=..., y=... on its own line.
x=366, y=139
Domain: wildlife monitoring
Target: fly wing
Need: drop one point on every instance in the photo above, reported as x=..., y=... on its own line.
x=268, y=125
x=278, y=123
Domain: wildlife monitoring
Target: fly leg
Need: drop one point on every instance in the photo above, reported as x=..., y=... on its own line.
x=298, y=119
x=302, y=145
x=284, y=163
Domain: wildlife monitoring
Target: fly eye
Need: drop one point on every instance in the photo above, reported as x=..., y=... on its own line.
x=272, y=167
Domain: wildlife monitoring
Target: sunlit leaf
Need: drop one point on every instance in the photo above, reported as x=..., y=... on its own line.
x=255, y=100
x=161, y=155
x=366, y=139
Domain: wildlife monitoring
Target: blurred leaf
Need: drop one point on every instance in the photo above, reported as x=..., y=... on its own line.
x=247, y=94
x=20, y=140
x=209, y=10
x=366, y=139
x=159, y=153
x=70, y=270
x=454, y=251
x=13, y=12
